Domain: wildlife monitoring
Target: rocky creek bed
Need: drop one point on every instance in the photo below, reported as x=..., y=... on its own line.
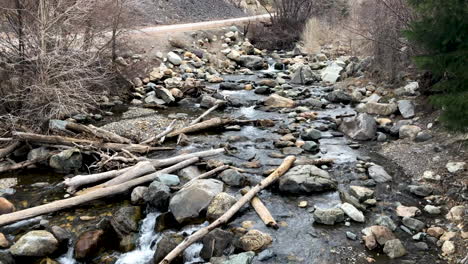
x=361, y=208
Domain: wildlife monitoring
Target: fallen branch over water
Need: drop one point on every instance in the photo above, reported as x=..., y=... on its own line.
x=98, y=132
x=21, y=165
x=212, y=123
x=207, y=112
x=282, y=169
x=8, y=149
x=88, y=197
x=161, y=136
x=261, y=210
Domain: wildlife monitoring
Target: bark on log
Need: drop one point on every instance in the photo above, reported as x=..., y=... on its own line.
x=214, y=122
x=207, y=112
x=202, y=154
x=107, y=136
x=80, y=180
x=30, y=137
x=10, y=148
x=206, y=175
x=314, y=161
x=20, y=165
x=283, y=168
x=139, y=169
x=74, y=201
x=262, y=211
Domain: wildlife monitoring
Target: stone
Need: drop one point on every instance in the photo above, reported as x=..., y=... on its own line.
x=230, y=86
x=263, y=90
x=266, y=255
x=215, y=242
x=219, y=205
x=456, y=213
x=277, y=101
x=304, y=75
x=386, y=221
x=38, y=243
x=431, y=176
x=421, y=190
x=233, y=178
x=380, y=108
x=189, y=173
x=433, y=210
x=6, y=206
x=255, y=240
x=328, y=216
x=189, y=202
x=378, y=174
x=234, y=55
x=353, y=213
x=164, y=94
x=331, y=73
x=165, y=245
x=406, y=108
x=422, y=136
x=311, y=146
x=407, y=211
x=382, y=234
x=41, y=152
x=339, y=96
x=152, y=99
x=306, y=179
x=158, y=195
x=369, y=241
x=168, y=179
x=138, y=195
x=435, y=231
x=4, y=243
x=413, y=223
x=88, y=244
x=311, y=134
x=394, y=249
x=448, y=236
x=454, y=167
x=395, y=129
x=292, y=150
x=62, y=235
x=174, y=58
x=66, y=161
x=362, y=193
x=242, y=258
x=351, y=236
x=251, y=62
x=362, y=127
x=408, y=131
x=126, y=220
x=448, y=248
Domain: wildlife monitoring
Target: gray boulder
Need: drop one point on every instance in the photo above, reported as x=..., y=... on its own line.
x=362, y=127
x=164, y=94
x=138, y=195
x=242, y=258
x=38, y=243
x=339, y=96
x=406, y=108
x=379, y=174
x=233, y=178
x=191, y=201
x=215, y=242
x=394, y=249
x=66, y=161
x=169, y=179
x=328, y=216
x=231, y=86
x=304, y=75
x=331, y=74
x=311, y=134
x=158, y=195
x=306, y=179
x=251, y=62
x=413, y=223
x=126, y=220
x=353, y=213
x=380, y=108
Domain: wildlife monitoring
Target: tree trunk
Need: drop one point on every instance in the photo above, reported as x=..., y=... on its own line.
x=107, y=136
x=214, y=122
x=174, y=160
x=80, y=180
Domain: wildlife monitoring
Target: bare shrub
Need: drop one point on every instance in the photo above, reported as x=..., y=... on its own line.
x=316, y=34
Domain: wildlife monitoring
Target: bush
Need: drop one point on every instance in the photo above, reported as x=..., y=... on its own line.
x=441, y=30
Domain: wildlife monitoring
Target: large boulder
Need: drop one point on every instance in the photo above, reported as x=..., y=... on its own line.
x=362, y=127
x=380, y=108
x=38, y=243
x=306, y=179
x=219, y=205
x=251, y=62
x=188, y=203
x=331, y=74
x=88, y=244
x=379, y=174
x=66, y=161
x=277, y=101
x=215, y=242
x=126, y=220
x=304, y=75
x=158, y=195
x=165, y=245
x=406, y=108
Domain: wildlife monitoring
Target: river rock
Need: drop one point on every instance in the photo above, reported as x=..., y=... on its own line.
x=138, y=195
x=413, y=223
x=454, y=167
x=126, y=220
x=66, y=161
x=164, y=94
x=304, y=75
x=362, y=127
x=233, y=178
x=158, y=195
x=362, y=193
x=173, y=58
x=339, y=96
x=4, y=243
x=406, y=108
x=353, y=213
x=394, y=249
x=38, y=243
x=39, y=153
x=431, y=209
x=189, y=172
x=215, y=243
x=165, y=245
x=382, y=234
x=166, y=221
x=6, y=206
x=420, y=190
x=435, y=231
x=62, y=235
x=234, y=55
x=168, y=179
x=6, y=258
x=219, y=205
x=255, y=240
x=311, y=134
x=311, y=146
x=252, y=62
x=378, y=174
x=456, y=213
x=380, y=108
x=88, y=244
x=189, y=202
x=306, y=179
x=386, y=221
x=208, y=101
x=395, y=129
x=409, y=131
x=331, y=73
x=230, y=86
x=242, y=258
x=277, y=101
x=407, y=211
x=152, y=99
x=448, y=248
x=328, y=216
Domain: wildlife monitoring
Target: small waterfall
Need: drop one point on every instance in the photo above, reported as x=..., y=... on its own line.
x=68, y=257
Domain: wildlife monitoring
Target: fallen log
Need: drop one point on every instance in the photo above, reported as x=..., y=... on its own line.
x=314, y=161
x=30, y=137
x=20, y=165
x=207, y=112
x=169, y=161
x=6, y=139
x=214, y=122
x=262, y=211
x=10, y=148
x=168, y=130
x=107, y=136
x=283, y=168
x=91, y=196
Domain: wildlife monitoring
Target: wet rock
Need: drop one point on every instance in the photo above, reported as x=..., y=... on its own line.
x=311, y=134
x=304, y=75
x=35, y=244
x=208, y=101
x=409, y=131
x=4, y=243
x=251, y=62
x=382, y=234
x=292, y=151
x=174, y=58
x=166, y=221
x=233, y=178
x=347, y=198
x=311, y=146
x=306, y=179
x=62, y=235
x=219, y=205
x=255, y=240
x=164, y=246
x=189, y=172
x=266, y=255
x=277, y=101
x=420, y=190
x=353, y=213
x=433, y=210
x=263, y=90
x=378, y=174
x=369, y=241
x=190, y=201
x=168, y=179
x=6, y=206
x=88, y=244
x=351, y=236
x=454, y=167
x=386, y=221
x=152, y=99
x=456, y=213
x=230, y=86
x=448, y=248
x=380, y=108
x=242, y=258
x=164, y=94
x=413, y=223
x=158, y=195
x=362, y=193
x=126, y=220
x=138, y=195
x=66, y=161
x=6, y=258
x=406, y=108
x=394, y=249
x=331, y=74
x=339, y=96
x=362, y=127
x=405, y=211
x=215, y=242
x=328, y=216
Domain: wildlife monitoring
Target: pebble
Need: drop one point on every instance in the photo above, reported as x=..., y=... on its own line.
x=351, y=236
x=303, y=204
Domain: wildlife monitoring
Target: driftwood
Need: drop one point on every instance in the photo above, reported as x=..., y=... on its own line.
x=214, y=122
x=207, y=112
x=314, y=161
x=6, y=139
x=161, y=136
x=283, y=168
x=20, y=165
x=10, y=148
x=169, y=161
x=206, y=175
x=30, y=137
x=262, y=210
x=98, y=132
x=91, y=196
